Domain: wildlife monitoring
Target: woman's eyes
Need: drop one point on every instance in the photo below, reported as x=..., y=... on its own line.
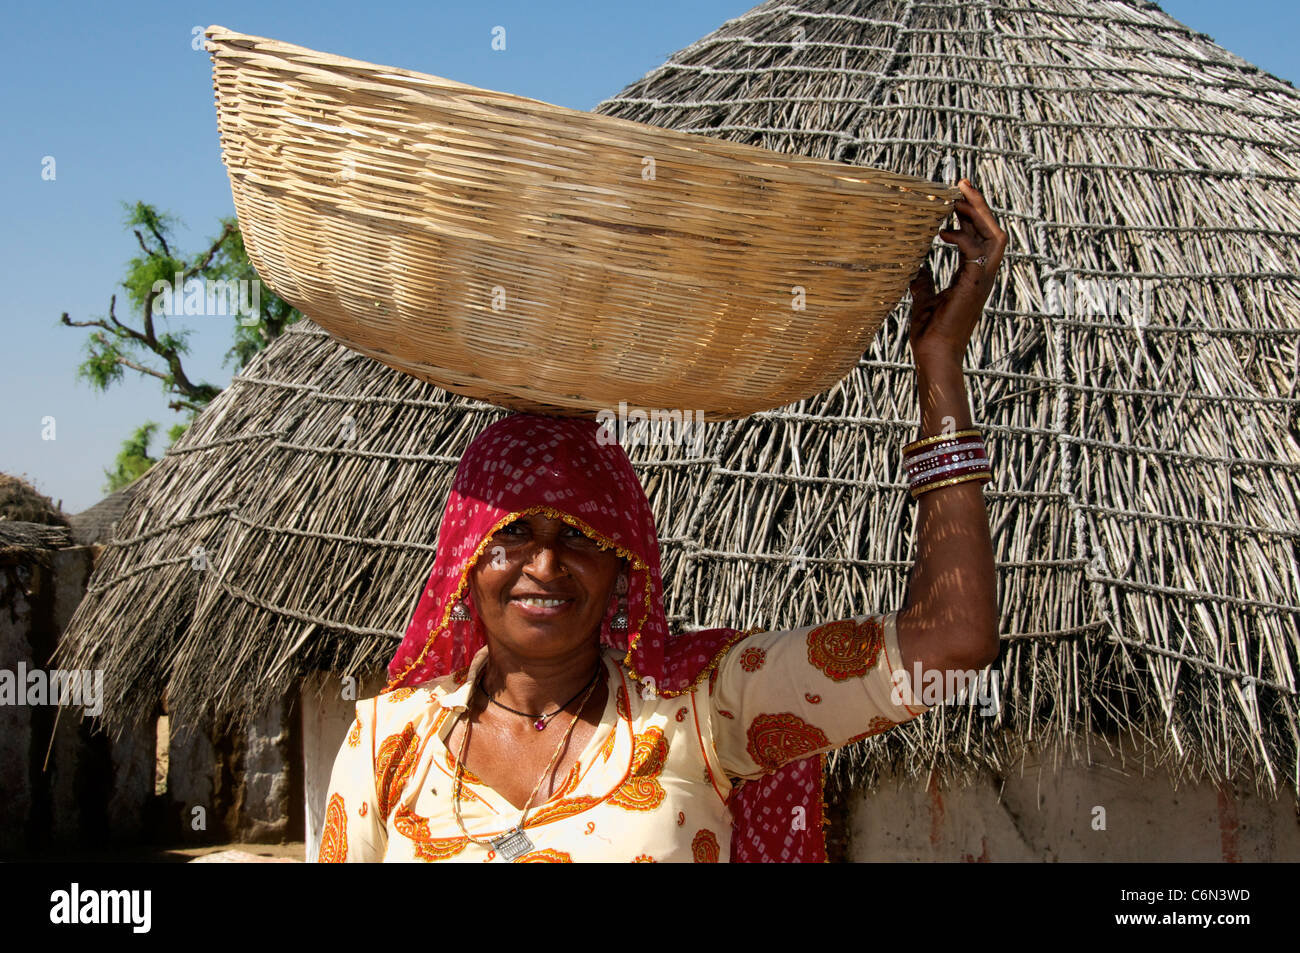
x=522, y=530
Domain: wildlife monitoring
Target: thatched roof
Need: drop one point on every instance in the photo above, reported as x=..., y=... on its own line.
x=1144, y=510
x=21, y=502
x=22, y=542
x=31, y=526
x=96, y=524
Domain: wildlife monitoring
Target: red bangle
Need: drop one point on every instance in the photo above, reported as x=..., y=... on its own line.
x=944, y=460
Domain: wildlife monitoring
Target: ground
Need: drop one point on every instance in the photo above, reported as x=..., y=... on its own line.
x=292, y=851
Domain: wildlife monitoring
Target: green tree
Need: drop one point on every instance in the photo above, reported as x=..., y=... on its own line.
x=209, y=282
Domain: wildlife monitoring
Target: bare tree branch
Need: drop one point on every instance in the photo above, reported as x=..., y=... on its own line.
x=158, y=235
x=216, y=245
x=126, y=362
x=130, y=332
x=83, y=324
x=143, y=247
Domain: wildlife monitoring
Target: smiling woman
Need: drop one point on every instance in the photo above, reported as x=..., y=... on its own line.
x=540, y=711
x=545, y=584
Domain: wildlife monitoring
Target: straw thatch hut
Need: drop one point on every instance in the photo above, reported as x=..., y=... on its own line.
x=96, y=524
x=61, y=786
x=1136, y=373
x=67, y=789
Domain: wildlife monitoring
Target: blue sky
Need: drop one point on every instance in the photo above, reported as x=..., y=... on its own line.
x=118, y=96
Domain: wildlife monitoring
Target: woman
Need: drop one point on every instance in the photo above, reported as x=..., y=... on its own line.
x=539, y=710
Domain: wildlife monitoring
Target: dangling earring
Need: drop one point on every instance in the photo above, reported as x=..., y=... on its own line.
x=619, y=621
x=460, y=612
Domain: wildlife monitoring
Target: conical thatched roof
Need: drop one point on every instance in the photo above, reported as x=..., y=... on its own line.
x=96, y=523
x=1144, y=510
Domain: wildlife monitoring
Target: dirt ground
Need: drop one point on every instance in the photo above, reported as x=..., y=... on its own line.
x=294, y=850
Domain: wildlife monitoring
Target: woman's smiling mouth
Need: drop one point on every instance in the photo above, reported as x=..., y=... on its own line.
x=541, y=606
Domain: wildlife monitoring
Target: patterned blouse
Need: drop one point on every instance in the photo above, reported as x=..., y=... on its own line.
x=652, y=784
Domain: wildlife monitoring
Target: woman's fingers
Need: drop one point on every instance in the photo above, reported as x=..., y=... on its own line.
x=977, y=211
x=922, y=288
x=965, y=240
x=923, y=301
x=977, y=234
x=979, y=222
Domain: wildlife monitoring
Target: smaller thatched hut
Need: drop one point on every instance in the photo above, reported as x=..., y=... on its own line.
x=66, y=787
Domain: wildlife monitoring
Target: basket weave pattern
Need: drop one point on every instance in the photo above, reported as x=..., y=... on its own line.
x=552, y=260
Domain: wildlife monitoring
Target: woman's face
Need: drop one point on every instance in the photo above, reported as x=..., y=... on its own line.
x=541, y=587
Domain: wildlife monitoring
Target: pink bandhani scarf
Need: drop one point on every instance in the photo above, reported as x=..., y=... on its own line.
x=573, y=470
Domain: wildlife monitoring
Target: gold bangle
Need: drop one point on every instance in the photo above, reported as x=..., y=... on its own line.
x=938, y=438
x=983, y=475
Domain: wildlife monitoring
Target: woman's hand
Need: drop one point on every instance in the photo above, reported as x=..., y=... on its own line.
x=950, y=620
x=942, y=323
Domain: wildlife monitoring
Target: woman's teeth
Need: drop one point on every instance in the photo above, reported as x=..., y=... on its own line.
x=543, y=603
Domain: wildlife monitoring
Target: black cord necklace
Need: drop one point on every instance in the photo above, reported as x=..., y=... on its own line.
x=540, y=721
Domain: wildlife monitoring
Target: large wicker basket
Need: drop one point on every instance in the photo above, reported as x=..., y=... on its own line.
x=552, y=260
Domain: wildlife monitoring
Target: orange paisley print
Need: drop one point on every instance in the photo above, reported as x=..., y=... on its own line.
x=334, y=842
x=607, y=748
x=644, y=859
x=558, y=810
x=621, y=704
x=548, y=855
x=469, y=776
x=642, y=790
x=416, y=829
x=777, y=739
x=400, y=694
x=393, y=766
x=570, y=782
x=752, y=659
x=704, y=847
x=878, y=724
x=844, y=650
x=363, y=809
x=354, y=736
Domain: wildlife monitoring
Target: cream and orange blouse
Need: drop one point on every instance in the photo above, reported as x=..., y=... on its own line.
x=653, y=782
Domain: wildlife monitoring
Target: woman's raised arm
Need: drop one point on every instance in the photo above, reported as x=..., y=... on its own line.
x=949, y=621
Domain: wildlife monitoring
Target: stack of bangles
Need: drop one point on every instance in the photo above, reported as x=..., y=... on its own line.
x=949, y=458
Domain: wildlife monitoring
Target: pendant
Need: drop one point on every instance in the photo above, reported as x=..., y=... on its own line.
x=512, y=844
x=540, y=723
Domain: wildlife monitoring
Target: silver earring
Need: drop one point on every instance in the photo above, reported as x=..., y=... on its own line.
x=460, y=612
x=619, y=622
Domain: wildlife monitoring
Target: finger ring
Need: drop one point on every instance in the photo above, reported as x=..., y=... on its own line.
x=980, y=260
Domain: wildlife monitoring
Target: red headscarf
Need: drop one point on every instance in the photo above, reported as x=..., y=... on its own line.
x=574, y=470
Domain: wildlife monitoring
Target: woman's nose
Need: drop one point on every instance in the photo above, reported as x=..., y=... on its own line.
x=544, y=561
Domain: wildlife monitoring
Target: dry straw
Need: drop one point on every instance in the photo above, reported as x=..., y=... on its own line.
x=547, y=259
x=1144, y=509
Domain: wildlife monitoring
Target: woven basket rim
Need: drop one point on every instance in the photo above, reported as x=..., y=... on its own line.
x=805, y=170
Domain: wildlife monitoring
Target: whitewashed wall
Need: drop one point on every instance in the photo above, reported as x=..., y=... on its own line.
x=1047, y=811
x=326, y=718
